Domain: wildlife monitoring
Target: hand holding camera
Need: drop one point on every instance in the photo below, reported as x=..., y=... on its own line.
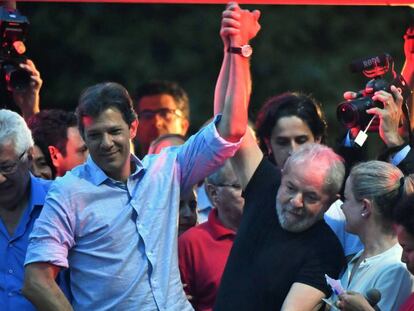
x=380, y=99
x=27, y=98
x=18, y=74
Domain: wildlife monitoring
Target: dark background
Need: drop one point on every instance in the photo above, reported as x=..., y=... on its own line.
x=305, y=48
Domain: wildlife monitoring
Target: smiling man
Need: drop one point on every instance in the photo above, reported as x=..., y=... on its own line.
x=114, y=219
x=283, y=247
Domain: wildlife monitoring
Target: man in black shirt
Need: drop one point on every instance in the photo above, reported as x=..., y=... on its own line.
x=283, y=247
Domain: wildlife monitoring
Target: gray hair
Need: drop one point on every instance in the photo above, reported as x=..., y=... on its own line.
x=329, y=164
x=222, y=175
x=381, y=182
x=14, y=129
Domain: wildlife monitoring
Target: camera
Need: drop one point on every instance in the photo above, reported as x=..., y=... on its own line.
x=352, y=113
x=13, y=30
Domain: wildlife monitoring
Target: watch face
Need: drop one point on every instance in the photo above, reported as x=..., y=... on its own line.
x=246, y=50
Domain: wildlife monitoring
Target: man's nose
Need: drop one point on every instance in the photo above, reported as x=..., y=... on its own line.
x=106, y=141
x=2, y=178
x=159, y=120
x=297, y=200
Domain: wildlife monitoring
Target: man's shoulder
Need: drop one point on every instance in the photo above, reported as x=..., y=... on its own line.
x=195, y=234
x=265, y=180
x=41, y=183
x=323, y=241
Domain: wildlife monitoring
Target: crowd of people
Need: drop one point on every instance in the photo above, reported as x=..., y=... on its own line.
x=113, y=207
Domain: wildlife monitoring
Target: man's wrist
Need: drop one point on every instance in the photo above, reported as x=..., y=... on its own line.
x=395, y=142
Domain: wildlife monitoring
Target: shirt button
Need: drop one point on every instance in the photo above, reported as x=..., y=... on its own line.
x=11, y=245
x=10, y=294
x=11, y=271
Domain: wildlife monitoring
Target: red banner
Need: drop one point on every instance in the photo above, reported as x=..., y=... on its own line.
x=288, y=2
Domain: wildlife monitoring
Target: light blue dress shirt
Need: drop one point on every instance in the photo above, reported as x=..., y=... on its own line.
x=120, y=239
x=13, y=250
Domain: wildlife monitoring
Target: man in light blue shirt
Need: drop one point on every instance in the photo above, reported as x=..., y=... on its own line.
x=21, y=200
x=113, y=221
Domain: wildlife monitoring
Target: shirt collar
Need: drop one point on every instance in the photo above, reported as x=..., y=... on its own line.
x=38, y=191
x=98, y=176
x=216, y=228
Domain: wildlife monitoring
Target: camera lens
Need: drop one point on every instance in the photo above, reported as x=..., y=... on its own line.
x=353, y=113
x=15, y=77
x=347, y=114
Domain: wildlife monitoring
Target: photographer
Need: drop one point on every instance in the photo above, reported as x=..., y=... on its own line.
x=398, y=151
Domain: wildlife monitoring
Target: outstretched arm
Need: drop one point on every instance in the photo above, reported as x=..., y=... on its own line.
x=234, y=83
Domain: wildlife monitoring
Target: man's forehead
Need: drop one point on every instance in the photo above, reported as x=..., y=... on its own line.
x=156, y=101
x=7, y=151
x=307, y=179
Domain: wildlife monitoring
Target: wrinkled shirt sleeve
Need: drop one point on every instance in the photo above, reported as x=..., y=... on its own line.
x=53, y=233
x=203, y=153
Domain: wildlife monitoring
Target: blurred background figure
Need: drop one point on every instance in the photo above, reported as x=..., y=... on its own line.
x=162, y=108
x=166, y=140
x=372, y=190
x=41, y=166
x=56, y=134
x=204, y=249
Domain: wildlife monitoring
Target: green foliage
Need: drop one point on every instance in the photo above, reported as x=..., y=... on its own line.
x=305, y=48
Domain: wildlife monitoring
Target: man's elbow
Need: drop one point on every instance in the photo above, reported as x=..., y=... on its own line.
x=234, y=133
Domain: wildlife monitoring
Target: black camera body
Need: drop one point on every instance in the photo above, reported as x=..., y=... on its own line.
x=352, y=113
x=13, y=30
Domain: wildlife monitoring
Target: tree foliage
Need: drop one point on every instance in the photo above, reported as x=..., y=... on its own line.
x=305, y=48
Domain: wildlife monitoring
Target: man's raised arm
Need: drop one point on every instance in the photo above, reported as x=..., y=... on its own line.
x=233, y=86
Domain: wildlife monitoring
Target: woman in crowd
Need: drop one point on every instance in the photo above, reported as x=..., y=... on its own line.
x=287, y=121
x=371, y=192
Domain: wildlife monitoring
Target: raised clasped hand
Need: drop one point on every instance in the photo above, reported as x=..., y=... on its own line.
x=239, y=26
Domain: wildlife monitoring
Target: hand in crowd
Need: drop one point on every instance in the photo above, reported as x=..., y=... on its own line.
x=238, y=26
x=389, y=116
x=351, y=301
x=28, y=100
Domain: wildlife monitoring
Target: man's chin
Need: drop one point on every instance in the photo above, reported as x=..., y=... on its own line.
x=295, y=223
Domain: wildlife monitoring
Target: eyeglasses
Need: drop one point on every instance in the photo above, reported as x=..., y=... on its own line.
x=9, y=169
x=165, y=113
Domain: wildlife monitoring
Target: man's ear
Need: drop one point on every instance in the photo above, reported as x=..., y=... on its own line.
x=318, y=139
x=133, y=129
x=55, y=155
x=30, y=154
x=185, y=124
x=211, y=192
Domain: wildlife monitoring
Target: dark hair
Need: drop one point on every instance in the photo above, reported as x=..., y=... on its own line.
x=404, y=213
x=99, y=97
x=285, y=105
x=164, y=87
x=50, y=128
